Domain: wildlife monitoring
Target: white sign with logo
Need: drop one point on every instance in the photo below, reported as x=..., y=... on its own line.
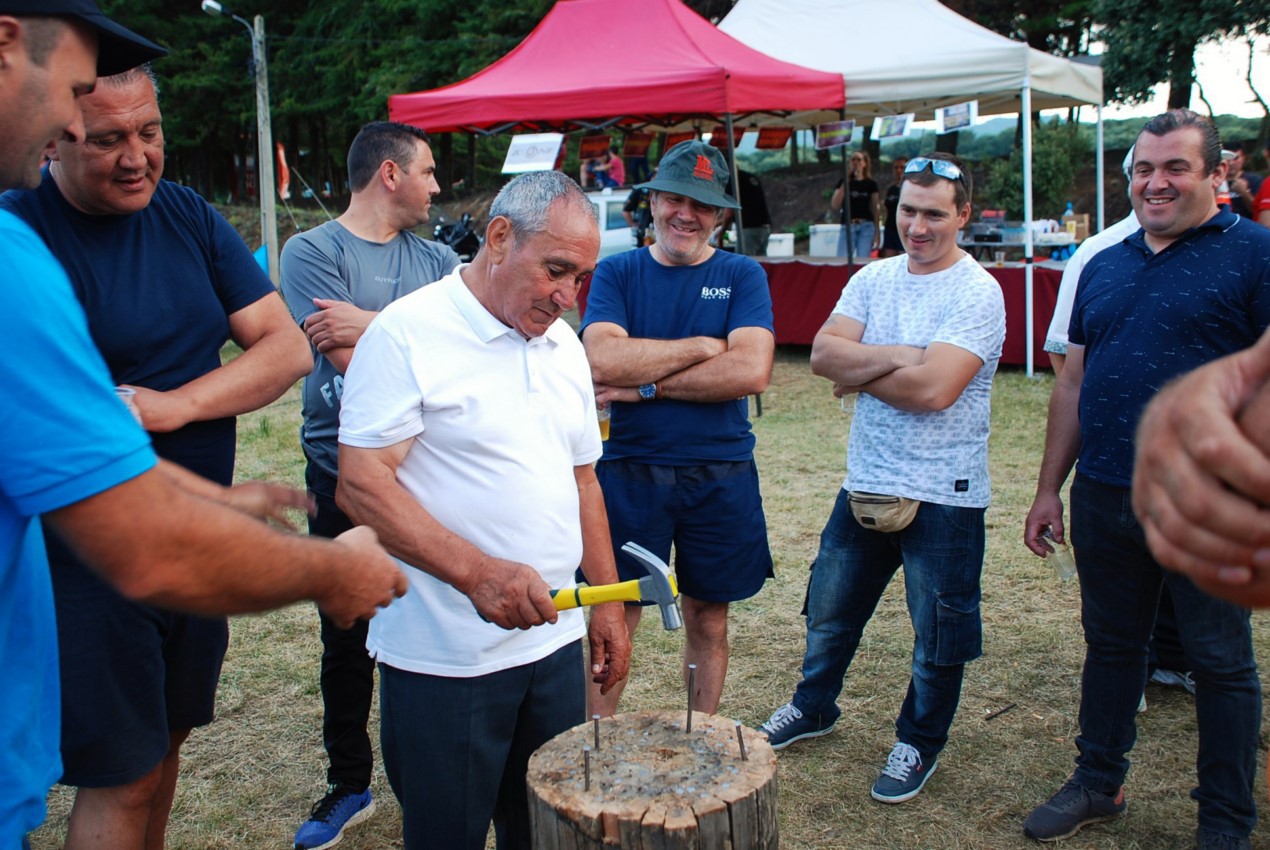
x=956, y=117
x=532, y=152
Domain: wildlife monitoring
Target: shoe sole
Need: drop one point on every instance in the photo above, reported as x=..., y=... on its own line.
x=904, y=798
x=353, y=821
x=819, y=733
x=1077, y=828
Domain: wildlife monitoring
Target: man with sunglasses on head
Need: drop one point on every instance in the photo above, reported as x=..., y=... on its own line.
x=916, y=339
x=1187, y=288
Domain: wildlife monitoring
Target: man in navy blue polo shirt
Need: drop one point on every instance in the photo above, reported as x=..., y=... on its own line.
x=1186, y=289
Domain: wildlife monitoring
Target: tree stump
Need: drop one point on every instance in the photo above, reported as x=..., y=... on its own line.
x=654, y=786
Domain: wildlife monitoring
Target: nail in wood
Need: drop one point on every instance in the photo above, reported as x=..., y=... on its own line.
x=692, y=689
x=586, y=768
x=595, y=720
x=740, y=741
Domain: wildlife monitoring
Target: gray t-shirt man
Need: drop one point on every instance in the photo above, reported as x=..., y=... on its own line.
x=330, y=262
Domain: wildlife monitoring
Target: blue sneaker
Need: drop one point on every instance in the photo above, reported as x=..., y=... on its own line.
x=787, y=725
x=341, y=808
x=904, y=776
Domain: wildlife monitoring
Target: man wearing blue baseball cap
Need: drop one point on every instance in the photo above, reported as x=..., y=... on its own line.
x=678, y=335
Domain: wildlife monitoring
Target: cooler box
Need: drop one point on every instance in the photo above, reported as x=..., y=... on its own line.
x=780, y=245
x=824, y=240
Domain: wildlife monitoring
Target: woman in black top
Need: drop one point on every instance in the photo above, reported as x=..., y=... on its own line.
x=891, y=245
x=860, y=216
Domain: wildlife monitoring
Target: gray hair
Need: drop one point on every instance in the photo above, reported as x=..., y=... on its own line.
x=133, y=75
x=527, y=199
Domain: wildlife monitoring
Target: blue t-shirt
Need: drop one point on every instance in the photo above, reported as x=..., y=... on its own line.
x=158, y=287
x=652, y=301
x=1145, y=318
x=64, y=436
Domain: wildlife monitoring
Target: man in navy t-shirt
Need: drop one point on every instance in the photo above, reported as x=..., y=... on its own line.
x=678, y=335
x=1190, y=287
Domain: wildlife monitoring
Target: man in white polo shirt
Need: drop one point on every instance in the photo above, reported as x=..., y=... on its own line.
x=467, y=438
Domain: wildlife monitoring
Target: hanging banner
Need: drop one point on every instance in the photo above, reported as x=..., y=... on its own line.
x=637, y=144
x=719, y=136
x=892, y=126
x=532, y=152
x=956, y=117
x=284, y=174
x=773, y=138
x=833, y=135
x=589, y=147
x=673, y=139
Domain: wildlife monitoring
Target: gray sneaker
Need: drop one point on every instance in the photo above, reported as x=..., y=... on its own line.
x=1174, y=679
x=904, y=776
x=787, y=725
x=1071, y=809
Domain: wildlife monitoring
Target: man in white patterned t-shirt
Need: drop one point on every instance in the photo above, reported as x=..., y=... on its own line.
x=917, y=338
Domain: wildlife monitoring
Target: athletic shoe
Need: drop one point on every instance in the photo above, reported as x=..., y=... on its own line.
x=1206, y=839
x=1174, y=679
x=1142, y=703
x=341, y=808
x=787, y=725
x=1072, y=808
x=904, y=775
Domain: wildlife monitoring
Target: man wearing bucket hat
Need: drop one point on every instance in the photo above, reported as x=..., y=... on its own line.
x=76, y=461
x=678, y=335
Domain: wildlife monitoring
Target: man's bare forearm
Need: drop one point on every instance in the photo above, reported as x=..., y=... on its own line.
x=742, y=370
x=630, y=361
x=851, y=363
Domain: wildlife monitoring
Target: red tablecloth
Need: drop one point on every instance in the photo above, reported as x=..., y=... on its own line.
x=804, y=293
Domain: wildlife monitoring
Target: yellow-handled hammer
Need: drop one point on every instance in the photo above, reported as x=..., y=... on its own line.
x=658, y=587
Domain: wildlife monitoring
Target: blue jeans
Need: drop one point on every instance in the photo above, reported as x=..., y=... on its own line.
x=862, y=233
x=456, y=750
x=1119, y=589
x=942, y=555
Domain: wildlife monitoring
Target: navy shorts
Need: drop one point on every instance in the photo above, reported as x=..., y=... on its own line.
x=130, y=673
x=713, y=514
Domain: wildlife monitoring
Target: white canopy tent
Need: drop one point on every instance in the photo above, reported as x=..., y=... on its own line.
x=915, y=56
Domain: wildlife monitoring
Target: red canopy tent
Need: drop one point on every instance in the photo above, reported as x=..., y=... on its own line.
x=604, y=62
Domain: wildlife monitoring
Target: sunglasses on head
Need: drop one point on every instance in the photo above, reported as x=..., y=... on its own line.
x=941, y=167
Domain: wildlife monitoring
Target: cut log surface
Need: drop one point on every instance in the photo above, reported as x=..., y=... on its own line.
x=655, y=786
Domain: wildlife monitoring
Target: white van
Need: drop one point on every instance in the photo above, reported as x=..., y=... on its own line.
x=615, y=233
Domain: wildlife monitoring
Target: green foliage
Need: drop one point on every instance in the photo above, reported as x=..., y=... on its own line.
x=1058, y=150
x=1153, y=41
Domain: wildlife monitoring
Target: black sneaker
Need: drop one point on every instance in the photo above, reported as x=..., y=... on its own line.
x=904, y=776
x=342, y=807
x=1072, y=808
x=787, y=725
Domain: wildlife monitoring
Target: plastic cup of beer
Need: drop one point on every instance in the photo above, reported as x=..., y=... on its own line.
x=604, y=413
x=1062, y=559
x=129, y=398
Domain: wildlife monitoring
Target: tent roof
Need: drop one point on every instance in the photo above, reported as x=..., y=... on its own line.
x=923, y=55
x=642, y=61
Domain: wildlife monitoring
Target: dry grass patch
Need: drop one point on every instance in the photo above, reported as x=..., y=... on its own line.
x=250, y=777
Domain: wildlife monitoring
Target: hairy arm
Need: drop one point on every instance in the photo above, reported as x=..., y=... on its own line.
x=509, y=594
x=838, y=354
x=1062, y=444
x=620, y=360
x=933, y=384
x=743, y=369
x=275, y=356
x=335, y=329
x=189, y=553
x=609, y=639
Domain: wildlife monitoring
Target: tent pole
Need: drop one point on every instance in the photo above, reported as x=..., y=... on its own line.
x=1100, y=157
x=845, y=217
x=1026, y=106
x=736, y=187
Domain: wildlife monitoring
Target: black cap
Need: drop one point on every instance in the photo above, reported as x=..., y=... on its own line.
x=118, y=48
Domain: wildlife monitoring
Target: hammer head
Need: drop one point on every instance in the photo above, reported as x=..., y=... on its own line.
x=658, y=586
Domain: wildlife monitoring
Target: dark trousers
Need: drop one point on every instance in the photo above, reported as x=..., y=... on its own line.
x=1120, y=590
x=348, y=673
x=456, y=750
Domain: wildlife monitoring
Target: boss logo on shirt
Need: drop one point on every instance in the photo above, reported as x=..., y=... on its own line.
x=716, y=293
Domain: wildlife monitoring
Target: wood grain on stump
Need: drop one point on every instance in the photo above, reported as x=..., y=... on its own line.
x=653, y=785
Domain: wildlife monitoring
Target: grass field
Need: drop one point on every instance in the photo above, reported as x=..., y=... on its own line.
x=249, y=778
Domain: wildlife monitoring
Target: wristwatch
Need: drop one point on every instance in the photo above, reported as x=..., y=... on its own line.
x=647, y=392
